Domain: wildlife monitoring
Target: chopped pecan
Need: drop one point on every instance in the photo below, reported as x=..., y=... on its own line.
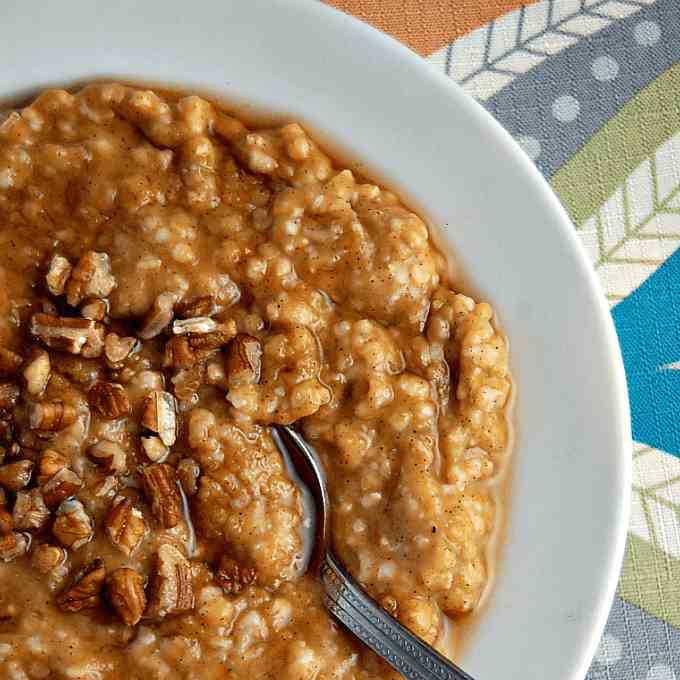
x=202, y=306
x=95, y=309
x=117, y=349
x=9, y=395
x=155, y=450
x=244, y=361
x=51, y=416
x=205, y=342
x=178, y=353
x=183, y=351
x=67, y=334
x=109, y=455
x=199, y=325
x=85, y=593
x=30, y=511
x=171, y=589
x=188, y=472
x=51, y=462
x=58, y=273
x=187, y=382
x=125, y=590
x=14, y=545
x=6, y=522
x=37, y=373
x=160, y=485
x=10, y=362
x=91, y=277
x=73, y=526
x=159, y=316
x=110, y=399
x=125, y=525
x=45, y=557
x=62, y=485
x=15, y=476
x=233, y=577
x=159, y=415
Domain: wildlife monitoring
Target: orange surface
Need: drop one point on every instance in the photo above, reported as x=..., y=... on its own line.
x=427, y=25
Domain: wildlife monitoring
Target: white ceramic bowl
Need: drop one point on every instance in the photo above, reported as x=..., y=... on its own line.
x=413, y=127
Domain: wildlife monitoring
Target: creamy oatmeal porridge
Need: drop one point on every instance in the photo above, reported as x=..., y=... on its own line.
x=172, y=284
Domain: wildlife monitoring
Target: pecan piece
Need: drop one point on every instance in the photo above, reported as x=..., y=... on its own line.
x=10, y=362
x=188, y=472
x=51, y=462
x=15, y=476
x=125, y=525
x=117, y=349
x=159, y=316
x=196, y=326
x=155, y=450
x=95, y=309
x=73, y=335
x=73, y=526
x=125, y=590
x=14, y=545
x=171, y=589
x=233, y=577
x=6, y=522
x=183, y=351
x=58, y=273
x=45, y=557
x=110, y=456
x=37, y=373
x=51, y=416
x=9, y=395
x=62, y=485
x=91, y=277
x=30, y=511
x=110, y=399
x=160, y=486
x=85, y=593
x=202, y=306
x=244, y=361
x=159, y=415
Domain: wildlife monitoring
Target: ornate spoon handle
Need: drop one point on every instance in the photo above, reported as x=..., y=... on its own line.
x=405, y=652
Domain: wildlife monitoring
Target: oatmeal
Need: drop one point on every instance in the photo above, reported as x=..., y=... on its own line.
x=174, y=284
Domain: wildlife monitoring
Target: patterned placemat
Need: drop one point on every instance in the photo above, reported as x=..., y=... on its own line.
x=591, y=91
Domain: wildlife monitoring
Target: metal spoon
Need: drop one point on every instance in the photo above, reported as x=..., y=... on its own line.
x=344, y=597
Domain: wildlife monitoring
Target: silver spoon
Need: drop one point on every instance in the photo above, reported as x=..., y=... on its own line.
x=344, y=597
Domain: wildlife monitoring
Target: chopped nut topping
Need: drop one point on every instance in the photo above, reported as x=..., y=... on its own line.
x=188, y=472
x=45, y=557
x=91, y=277
x=125, y=590
x=30, y=511
x=95, y=309
x=60, y=486
x=171, y=588
x=183, y=351
x=244, y=361
x=109, y=455
x=85, y=593
x=37, y=373
x=159, y=415
x=159, y=317
x=67, y=334
x=51, y=462
x=10, y=362
x=160, y=485
x=73, y=526
x=202, y=306
x=15, y=476
x=51, y=416
x=198, y=326
x=58, y=274
x=6, y=522
x=9, y=395
x=14, y=545
x=125, y=525
x=110, y=399
x=233, y=577
x=117, y=349
x=155, y=449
